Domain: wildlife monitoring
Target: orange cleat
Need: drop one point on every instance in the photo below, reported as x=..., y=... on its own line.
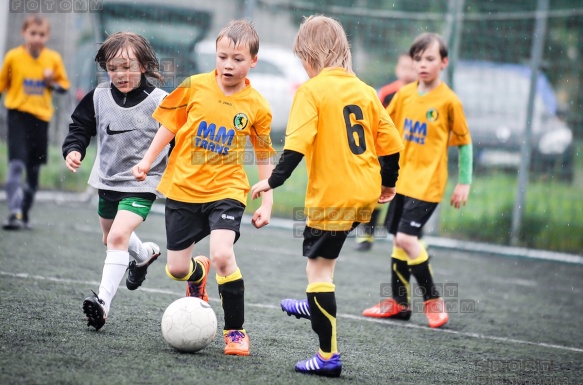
x=237, y=342
x=199, y=290
x=434, y=309
x=388, y=308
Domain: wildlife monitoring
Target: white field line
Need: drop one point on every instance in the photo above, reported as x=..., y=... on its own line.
x=341, y=315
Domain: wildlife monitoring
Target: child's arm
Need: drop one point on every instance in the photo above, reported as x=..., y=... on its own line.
x=262, y=215
x=288, y=161
x=462, y=190
x=81, y=129
x=389, y=175
x=162, y=138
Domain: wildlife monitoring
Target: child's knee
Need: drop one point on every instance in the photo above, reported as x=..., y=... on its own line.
x=176, y=272
x=222, y=259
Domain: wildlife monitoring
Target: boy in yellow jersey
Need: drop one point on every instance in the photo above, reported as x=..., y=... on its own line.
x=352, y=151
x=405, y=73
x=29, y=75
x=430, y=118
x=210, y=116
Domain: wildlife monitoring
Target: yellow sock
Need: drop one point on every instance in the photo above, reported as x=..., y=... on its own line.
x=400, y=254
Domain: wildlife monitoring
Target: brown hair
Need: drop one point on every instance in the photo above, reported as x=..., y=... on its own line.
x=35, y=19
x=322, y=42
x=142, y=48
x=241, y=32
x=423, y=41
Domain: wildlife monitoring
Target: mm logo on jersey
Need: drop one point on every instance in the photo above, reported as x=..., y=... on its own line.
x=212, y=139
x=33, y=87
x=240, y=121
x=415, y=131
x=432, y=114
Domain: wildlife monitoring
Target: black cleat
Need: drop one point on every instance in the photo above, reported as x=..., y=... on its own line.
x=14, y=222
x=93, y=307
x=364, y=246
x=137, y=274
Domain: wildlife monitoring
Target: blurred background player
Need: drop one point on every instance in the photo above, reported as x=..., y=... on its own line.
x=29, y=75
x=333, y=102
x=405, y=73
x=119, y=113
x=430, y=117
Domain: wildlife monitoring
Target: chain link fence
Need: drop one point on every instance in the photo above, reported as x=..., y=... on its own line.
x=519, y=119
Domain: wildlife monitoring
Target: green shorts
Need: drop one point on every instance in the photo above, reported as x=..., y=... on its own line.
x=108, y=209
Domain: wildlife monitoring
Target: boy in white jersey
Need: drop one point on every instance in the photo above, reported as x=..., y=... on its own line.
x=119, y=114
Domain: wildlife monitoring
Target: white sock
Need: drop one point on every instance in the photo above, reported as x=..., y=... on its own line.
x=114, y=269
x=137, y=249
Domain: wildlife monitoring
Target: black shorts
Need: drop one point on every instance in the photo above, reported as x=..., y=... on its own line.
x=324, y=243
x=188, y=223
x=408, y=215
x=28, y=138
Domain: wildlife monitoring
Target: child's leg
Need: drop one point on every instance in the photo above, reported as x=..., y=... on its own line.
x=434, y=306
x=418, y=262
x=117, y=233
x=30, y=189
x=13, y=186
x=322, y=301
x=229, y=278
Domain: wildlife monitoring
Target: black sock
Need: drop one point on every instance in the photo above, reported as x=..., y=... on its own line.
x=324, y=324
x=198, y=271
x=422, y=274
x=400, y=278
x=232, y=299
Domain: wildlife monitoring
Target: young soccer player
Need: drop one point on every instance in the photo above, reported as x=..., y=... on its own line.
x=405, y=73
x=339, y=124
x=119, y=113
x=430, y=117
x=210, y=116
x=30, y=73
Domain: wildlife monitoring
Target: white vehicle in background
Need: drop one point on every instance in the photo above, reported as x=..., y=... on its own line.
x=277, y=76
x=495, y=100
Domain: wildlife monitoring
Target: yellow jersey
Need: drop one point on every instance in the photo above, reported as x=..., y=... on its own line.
x=428, y=125
x=22, y=76
x=211, y=130
x=341, y=127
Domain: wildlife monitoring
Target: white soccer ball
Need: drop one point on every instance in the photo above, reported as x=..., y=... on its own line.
x=189, y=324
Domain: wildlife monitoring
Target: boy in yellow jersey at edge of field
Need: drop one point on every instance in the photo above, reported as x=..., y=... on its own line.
x=352, y=155
x=430, y=117
x=210, y=116
x=29, y=75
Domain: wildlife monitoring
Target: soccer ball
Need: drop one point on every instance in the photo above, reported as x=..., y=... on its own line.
x=189, y=324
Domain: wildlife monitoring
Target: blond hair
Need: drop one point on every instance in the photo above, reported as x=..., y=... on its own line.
x=35, y=19
x=322, y=42
x=142, y=49
x=241, y=32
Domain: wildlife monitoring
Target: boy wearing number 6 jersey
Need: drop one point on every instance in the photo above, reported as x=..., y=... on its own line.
x=352, y=152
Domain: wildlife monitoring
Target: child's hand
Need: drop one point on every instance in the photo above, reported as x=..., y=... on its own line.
x=48, y=76
x=261, y=217
x=259, y=187
x=140, y=171
x=73, y=160
x=460, y=195
x=387, y=194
